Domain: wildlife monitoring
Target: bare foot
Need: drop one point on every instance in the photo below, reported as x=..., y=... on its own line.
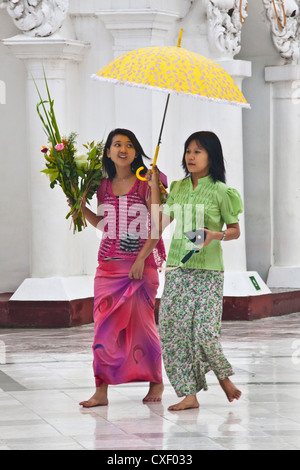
x=232, y=392
x=98, y=399
x=155, y=393
x=188, y=402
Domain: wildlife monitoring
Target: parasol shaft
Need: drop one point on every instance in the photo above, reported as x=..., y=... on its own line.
x=158, y=143
x=161, y=131
x=180, y=38
x=166, y=108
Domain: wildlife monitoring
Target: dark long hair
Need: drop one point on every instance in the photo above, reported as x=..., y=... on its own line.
x=211, y=143
x=109, y=166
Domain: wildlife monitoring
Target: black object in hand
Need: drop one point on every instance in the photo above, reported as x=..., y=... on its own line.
x=197, y=237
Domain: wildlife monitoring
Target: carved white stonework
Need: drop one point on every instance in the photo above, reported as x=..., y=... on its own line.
x=37, y=18
x=283, y=16
x=225, y=21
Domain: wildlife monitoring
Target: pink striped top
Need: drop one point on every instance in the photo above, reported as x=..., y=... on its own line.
x=126, y=224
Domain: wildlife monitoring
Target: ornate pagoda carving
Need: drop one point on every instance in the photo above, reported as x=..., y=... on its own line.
x=225, y=21
x=283, y=16
x=37, y=18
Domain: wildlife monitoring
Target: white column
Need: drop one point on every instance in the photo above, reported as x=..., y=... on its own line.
x=231, y=135
x=53, y=244
x=238, y=281
x=136, y=109
x=285, y=114
x=133, y=29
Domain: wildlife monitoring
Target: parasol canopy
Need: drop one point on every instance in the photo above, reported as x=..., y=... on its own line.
x=174, y=70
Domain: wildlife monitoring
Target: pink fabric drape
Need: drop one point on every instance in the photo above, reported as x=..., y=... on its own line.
x=126, y=344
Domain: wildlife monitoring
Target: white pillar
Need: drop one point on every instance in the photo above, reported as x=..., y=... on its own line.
x=230, y=130
x=285, y=175
x=135, y=109
x=52, y=242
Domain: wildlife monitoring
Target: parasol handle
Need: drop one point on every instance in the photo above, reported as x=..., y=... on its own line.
x=138, y=174
x=153, y=164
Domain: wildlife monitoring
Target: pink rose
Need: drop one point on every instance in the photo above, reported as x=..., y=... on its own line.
x=59, y=147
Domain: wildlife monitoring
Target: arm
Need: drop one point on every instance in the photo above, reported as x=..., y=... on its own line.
x=159, y=222
x=137, y=269
x=90, y=216
x=232, y=232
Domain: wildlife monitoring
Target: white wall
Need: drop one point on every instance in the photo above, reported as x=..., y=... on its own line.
x=257, y=46
x=14, y=201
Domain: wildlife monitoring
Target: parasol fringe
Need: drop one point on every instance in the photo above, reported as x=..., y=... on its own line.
x=166, y=90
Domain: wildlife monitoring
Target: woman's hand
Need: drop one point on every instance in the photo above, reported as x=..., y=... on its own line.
x=153, y=177
x=83, y=203
x=232, y=232
x=210, y=236
x=137, y=269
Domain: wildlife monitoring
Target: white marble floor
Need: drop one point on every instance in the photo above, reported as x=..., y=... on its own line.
x=44, y=374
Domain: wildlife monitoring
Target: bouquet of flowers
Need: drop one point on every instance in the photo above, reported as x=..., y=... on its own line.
x=78, y=175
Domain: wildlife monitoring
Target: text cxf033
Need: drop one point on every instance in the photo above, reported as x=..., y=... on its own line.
x=169, y=459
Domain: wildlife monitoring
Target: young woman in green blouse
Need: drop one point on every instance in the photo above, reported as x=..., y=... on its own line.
x=191, y=306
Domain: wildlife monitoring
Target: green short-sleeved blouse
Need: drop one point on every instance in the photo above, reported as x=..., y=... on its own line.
x=210, y=205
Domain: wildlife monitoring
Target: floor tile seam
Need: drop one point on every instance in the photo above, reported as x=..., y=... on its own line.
x=94, y=414
x=171, y=421
x=272, y=383
x=9, y=382
x=14, y=395
x=173, y=437
x=44, y=419
x=290, y=419
x=12, y=443
x=75, y=439
x=147, y=440
x=245, y=443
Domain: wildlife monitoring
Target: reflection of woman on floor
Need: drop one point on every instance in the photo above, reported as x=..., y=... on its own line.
x=191, y=305
x=126, y=345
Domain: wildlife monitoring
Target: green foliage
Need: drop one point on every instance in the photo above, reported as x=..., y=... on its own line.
x=78, y=175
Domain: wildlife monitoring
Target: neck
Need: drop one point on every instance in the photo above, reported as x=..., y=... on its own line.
x=123, y=173
x=197, y=176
